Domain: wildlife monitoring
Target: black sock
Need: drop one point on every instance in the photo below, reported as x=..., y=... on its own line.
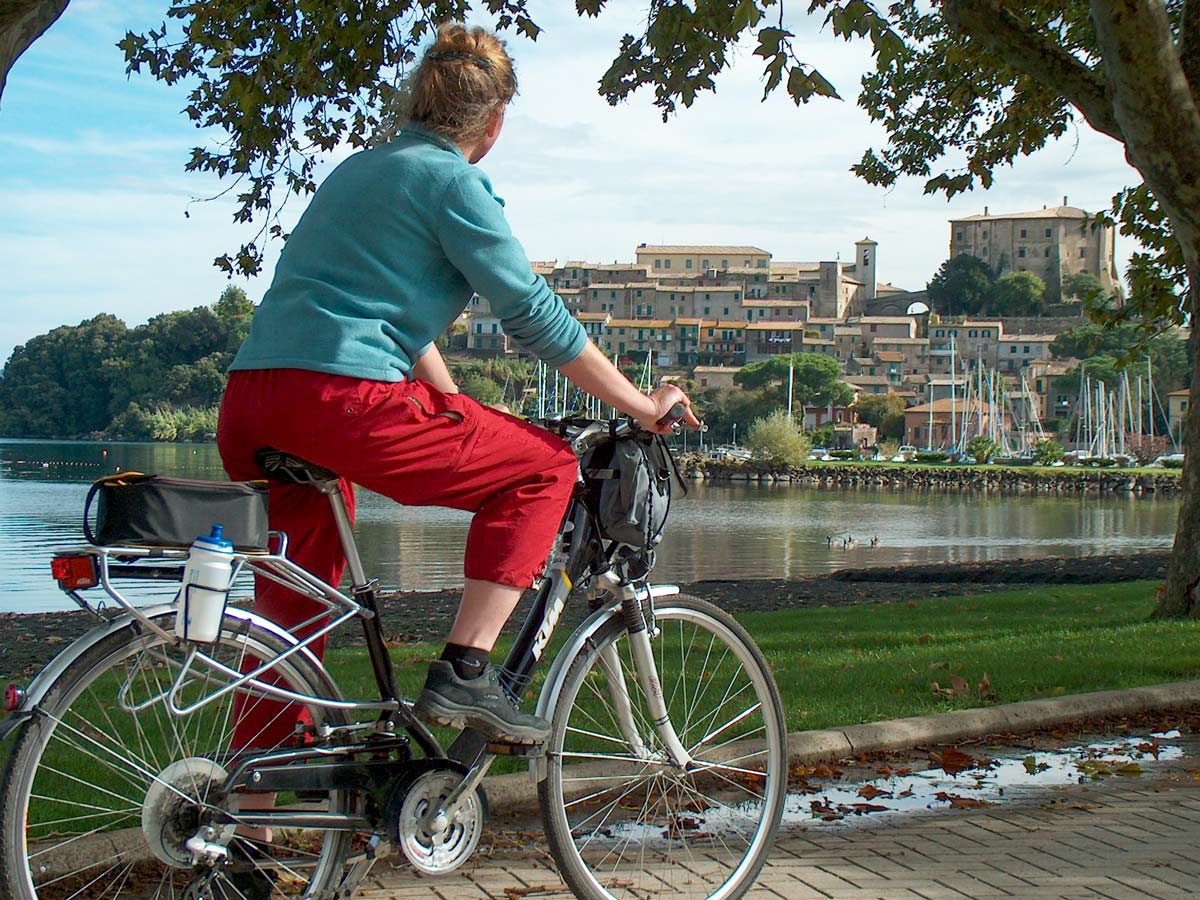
x=468, y=662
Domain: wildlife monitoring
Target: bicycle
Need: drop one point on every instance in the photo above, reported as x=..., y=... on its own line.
x=664, y=773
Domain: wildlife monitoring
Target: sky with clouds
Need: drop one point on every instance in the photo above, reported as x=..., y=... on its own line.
x=97, y=214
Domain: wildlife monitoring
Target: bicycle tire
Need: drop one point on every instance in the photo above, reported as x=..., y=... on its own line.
x=623, y=824
x=83, y=769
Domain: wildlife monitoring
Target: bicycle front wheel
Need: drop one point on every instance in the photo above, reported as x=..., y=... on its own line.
x=622, y=821
x=105, y=785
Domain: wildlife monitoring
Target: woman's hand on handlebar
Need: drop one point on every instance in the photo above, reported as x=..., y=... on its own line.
x=663, y=419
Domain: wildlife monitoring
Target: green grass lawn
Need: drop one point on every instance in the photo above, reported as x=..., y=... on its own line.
x=863, y=663
x=842, y=666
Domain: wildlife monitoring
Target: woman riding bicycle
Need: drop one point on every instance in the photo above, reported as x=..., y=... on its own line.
x=340, y=368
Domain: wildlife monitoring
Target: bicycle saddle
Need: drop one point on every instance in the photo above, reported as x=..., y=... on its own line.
x=280, y=466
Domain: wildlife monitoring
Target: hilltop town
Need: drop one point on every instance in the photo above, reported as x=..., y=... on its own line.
x=704, y=312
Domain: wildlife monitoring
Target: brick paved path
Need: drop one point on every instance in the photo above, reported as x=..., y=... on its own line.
x=1120, y=838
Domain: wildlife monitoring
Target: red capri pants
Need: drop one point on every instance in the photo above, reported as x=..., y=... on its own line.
x=407, y=441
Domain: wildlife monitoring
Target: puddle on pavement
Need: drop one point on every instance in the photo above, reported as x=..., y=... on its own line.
x=962, y=781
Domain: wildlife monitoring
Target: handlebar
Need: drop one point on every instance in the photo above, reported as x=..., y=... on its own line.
x=583, y=434
x=674, y=417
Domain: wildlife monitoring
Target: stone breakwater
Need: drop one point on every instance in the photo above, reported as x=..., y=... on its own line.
x=1017, y=480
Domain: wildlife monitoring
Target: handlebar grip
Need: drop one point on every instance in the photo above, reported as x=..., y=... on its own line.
x=674, y=415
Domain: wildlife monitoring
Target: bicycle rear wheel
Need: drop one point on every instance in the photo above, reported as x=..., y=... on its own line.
x=104, y=785
x=621, y=820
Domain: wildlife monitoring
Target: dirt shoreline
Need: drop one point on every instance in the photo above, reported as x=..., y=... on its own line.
x=32, y=639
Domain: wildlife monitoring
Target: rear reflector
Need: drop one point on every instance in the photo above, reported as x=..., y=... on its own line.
x=73, y=572
x=13, y=698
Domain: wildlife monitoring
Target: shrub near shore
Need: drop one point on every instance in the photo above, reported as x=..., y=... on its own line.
x=1019, y=479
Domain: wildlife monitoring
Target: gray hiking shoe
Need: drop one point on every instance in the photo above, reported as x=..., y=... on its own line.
x=479, y=703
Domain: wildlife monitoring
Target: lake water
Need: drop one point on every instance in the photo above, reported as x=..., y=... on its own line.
x=718, y=531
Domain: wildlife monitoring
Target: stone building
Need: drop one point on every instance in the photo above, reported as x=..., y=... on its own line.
x=1052, y=243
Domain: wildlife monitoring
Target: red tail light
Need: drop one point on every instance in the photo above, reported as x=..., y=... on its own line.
x=75, y=571
x=13, y=698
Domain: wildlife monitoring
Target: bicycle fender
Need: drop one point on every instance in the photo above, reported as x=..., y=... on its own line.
x=54, y=670
x=575, y=645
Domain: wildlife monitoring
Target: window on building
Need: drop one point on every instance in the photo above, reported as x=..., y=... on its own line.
x=985, y=252
x=1012, y=349
x=639, y=293
x=688, y=264
x=706, y=265
x=726, y=311
x=971, y=333
x=666, y=264
x=762, y=264
x=1023, y=234
x=1021, y=251
x=1048, y=232
x=479, y=328
x=493, y=328
x=737, y=297
x=985, y=235
x=658, y=264
x=1083, y=252
x=1026, y=350
x=724, y=264
x=1046, y=253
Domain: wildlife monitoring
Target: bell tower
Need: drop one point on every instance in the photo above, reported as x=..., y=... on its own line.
x=864, y=267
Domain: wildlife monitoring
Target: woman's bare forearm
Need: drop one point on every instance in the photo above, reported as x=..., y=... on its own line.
x=431, y=368
x=592, y=371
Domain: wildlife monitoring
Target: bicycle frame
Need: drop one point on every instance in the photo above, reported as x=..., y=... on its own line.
x=578, y=559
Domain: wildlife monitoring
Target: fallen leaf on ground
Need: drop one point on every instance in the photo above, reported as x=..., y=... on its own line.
x=534, y=890
x=957, y=802
x=1151, y=747
x=863, y=808
x=985, y=688
x=953, y=760
x=870, y=792
x=1032, y=766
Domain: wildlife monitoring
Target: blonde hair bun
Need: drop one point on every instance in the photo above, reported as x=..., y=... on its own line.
x=463, y=78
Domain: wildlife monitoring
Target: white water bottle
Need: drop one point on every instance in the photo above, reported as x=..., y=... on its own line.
x=206, y=581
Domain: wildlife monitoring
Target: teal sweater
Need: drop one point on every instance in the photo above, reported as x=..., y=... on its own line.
x=385, y=258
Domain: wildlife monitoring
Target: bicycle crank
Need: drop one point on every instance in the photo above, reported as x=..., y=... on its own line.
x=437, y=845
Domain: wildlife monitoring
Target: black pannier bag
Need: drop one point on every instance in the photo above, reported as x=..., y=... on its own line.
x=629, y=482
x=136, y=510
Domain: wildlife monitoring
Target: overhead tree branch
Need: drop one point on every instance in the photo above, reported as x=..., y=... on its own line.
x=21, y=23
x=1189, y=44
x=1152, y=103
x=993, y=25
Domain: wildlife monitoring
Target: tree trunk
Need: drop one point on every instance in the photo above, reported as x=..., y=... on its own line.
x=21, y=23
x=1179, y=596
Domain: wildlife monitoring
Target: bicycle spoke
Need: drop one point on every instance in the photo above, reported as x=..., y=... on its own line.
x=666, y=832
x=86, y=769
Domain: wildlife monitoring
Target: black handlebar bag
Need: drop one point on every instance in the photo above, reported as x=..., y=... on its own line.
x=136, y=510
x=629, y=483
